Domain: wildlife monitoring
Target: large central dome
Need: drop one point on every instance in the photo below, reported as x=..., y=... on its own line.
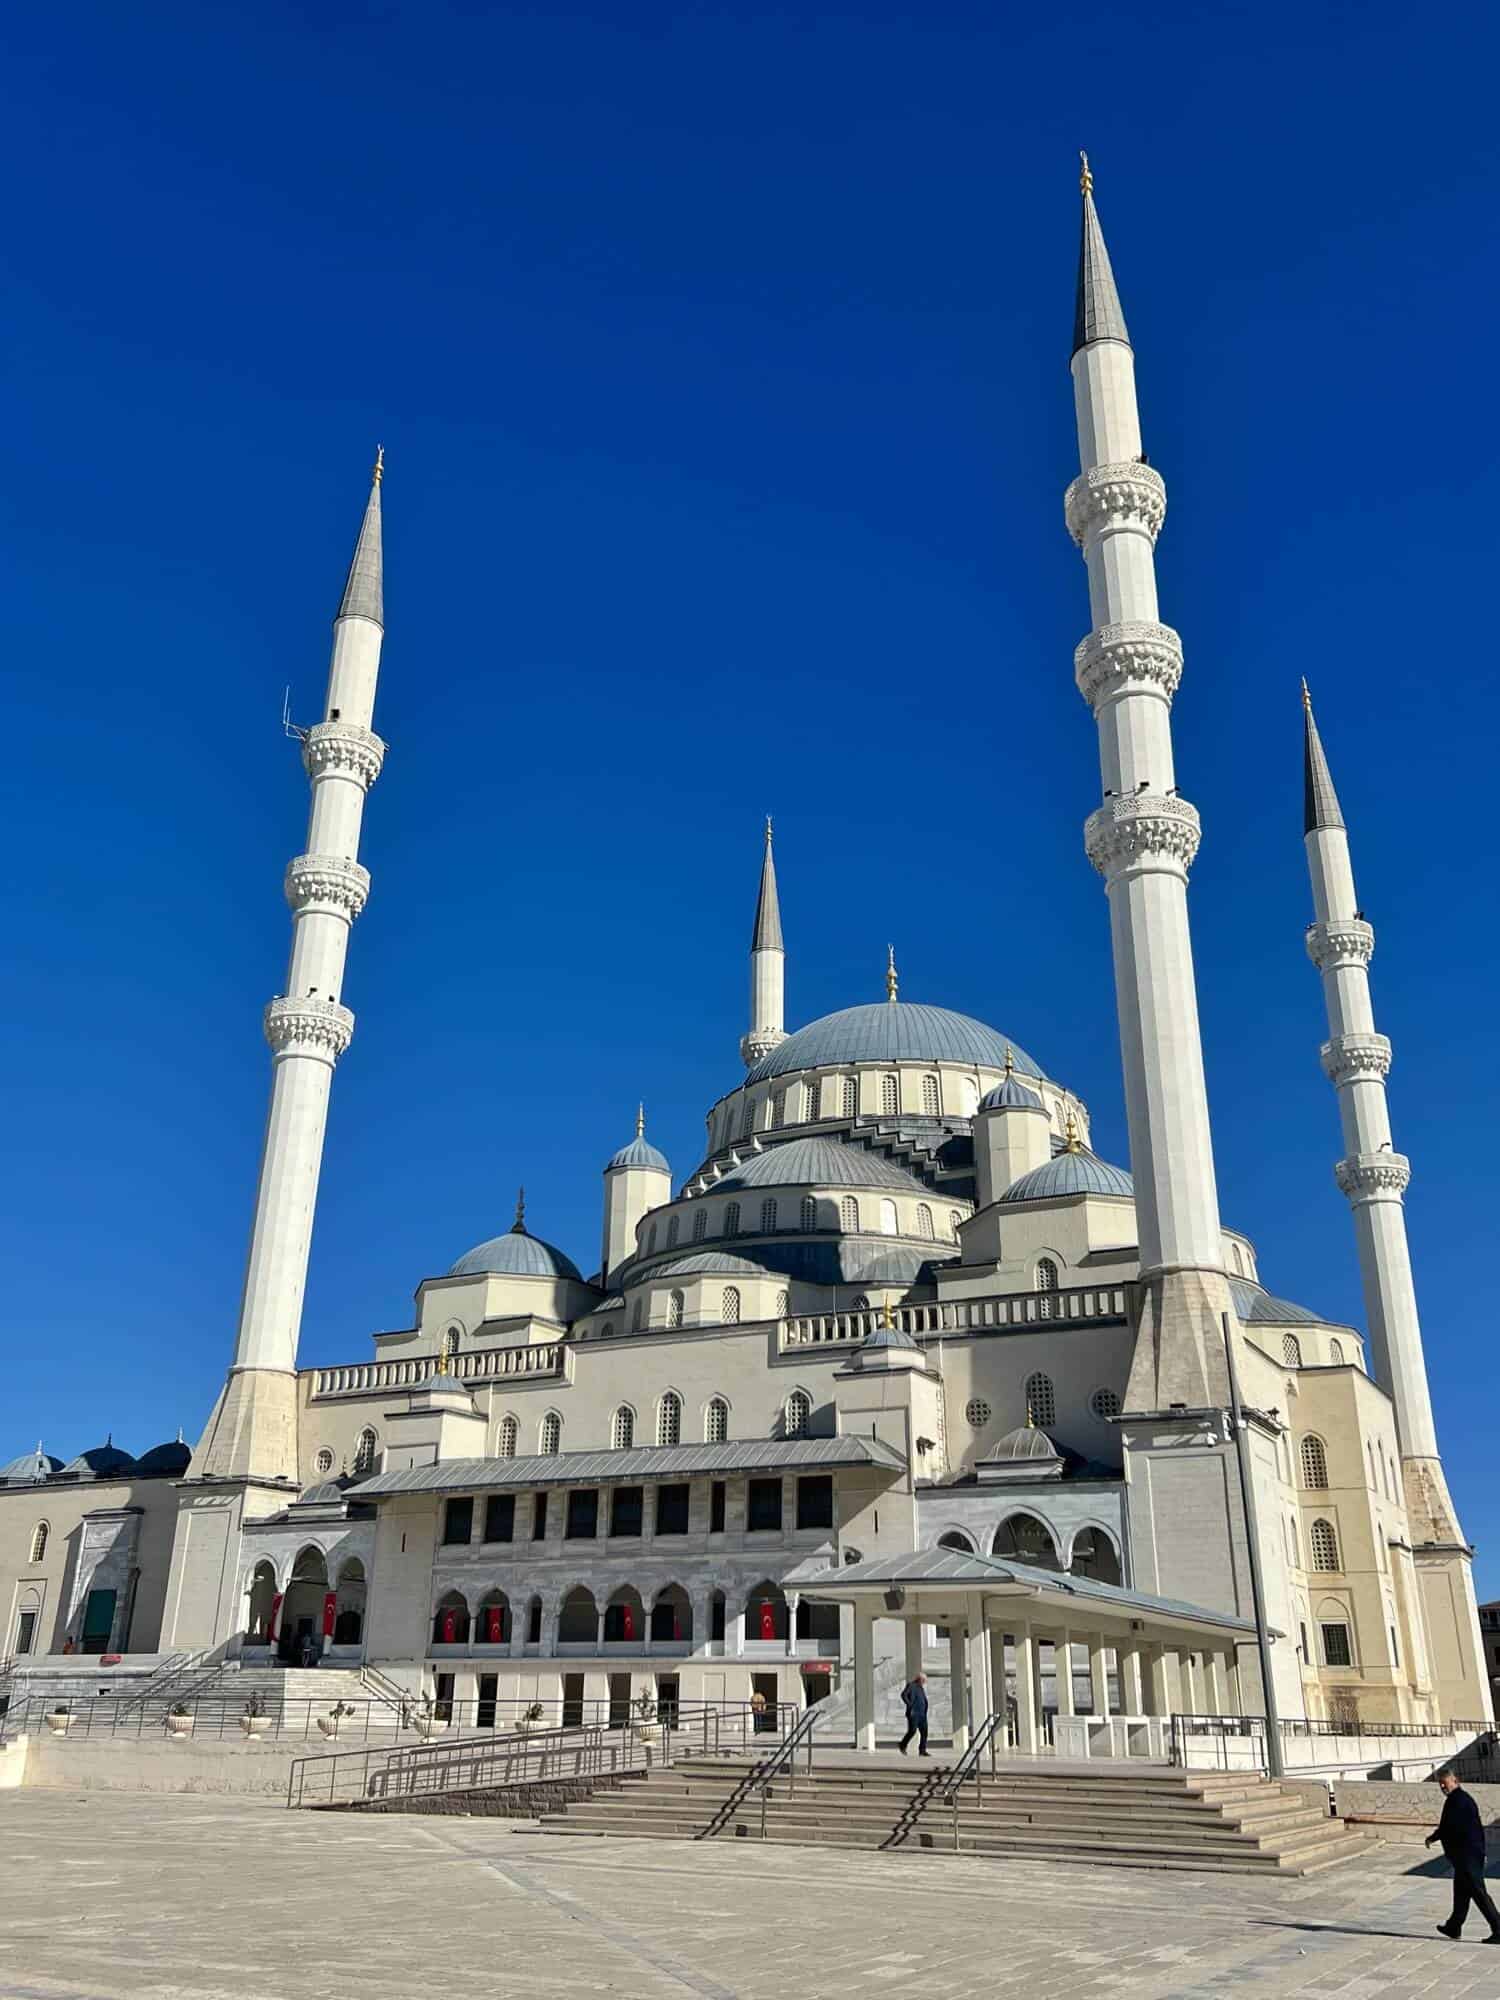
x=892, y=1031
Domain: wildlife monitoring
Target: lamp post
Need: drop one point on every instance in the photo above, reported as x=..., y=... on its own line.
x=1274, y=1766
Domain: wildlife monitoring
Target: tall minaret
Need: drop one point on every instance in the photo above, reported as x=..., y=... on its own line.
x=1142, y=840
x=1357, y=1060
x=253, y=1430
x=767, y=968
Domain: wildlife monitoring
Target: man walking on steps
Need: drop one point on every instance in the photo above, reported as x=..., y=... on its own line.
x=1461, y=1831
x=914, y=1701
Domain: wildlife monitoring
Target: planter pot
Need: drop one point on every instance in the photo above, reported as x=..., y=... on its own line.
x=255, y=1726
x=58, y=1722
x=179, y=1725
x=427, y=1725
x=648, y=1732
x=328, y=1725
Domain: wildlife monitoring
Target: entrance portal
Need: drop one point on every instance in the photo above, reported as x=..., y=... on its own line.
x=98, y=1621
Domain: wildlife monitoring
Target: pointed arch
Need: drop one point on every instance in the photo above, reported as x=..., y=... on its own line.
x=549, y=1435
x=676, y=1304
x=849, y=1097
x=796, y=1414
x=715, y=1420
x=932, y=1103
x=367, y=1450
x=732, y=1219
x=1291, y=1350
x=622, y=1428
x=1314, y=1455
x=729, y=1306
x=849, y=1215
x=1041, y=1400
x=768, y=1215
x=809, y=1211
x=1324, y=1540
x=39, y=1538
x=669, y=1418
x=508, y=1438
x=890, y=1095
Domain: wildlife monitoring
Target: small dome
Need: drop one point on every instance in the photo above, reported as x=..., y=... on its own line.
x=1024, y=1446
x=707, y=1263
x=640, y=1153
x=1080, y=1172
x=324, y=1490
x=817, y=1163
x=30, y=1468
x=1255, y=1306
x=1011, y=1095
x=166, y=1461
x=105, y=1461
x=517, y=1254
x=890, y=1031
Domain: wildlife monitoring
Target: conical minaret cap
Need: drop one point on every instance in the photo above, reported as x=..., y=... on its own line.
x=767, y=934
x=1320, y=802
x=1097, y=313
x=364, y=595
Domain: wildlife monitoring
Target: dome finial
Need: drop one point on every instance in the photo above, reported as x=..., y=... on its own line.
x=379, y=473
x=1072, y=1144
x=1085, y=175
x=518, y=1227
x=1010, y=1060
x=892, y=983
x=640, y=1120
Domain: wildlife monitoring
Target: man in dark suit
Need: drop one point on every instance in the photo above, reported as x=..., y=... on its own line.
x=914, y=1701
x=1461, y=1832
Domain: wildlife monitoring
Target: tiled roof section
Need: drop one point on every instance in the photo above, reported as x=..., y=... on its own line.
x=891, y=1031
x=1097, y=313
x=1320, y=802
x=364, y=593
x=675, y=1461
x=767, y=933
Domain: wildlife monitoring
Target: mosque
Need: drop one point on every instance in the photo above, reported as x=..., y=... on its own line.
x=899, y=1364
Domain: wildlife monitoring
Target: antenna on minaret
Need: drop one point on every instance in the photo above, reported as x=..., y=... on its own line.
x=289, y=728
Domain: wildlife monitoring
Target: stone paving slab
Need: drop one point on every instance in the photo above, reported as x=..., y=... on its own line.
x=109, y=1897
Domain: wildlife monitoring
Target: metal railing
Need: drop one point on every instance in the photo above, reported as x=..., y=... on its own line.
x=171, y=1674
x=1220, y=1731
x=471, y=1763
x=994, y=1729
x=785, y=1758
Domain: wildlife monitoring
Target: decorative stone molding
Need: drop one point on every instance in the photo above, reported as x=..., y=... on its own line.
x=1340, y=945
x=1373, y=1176
x=1133, y=655
x=320, y=1028
x=1107, y=497
x=327, y=883
x=1350, y=1058
x=1145, y=826
x=759, y=1042
x=343, y=750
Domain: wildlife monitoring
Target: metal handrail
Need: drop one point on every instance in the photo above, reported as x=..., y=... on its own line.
x=970, y=1765
x=785, y=1754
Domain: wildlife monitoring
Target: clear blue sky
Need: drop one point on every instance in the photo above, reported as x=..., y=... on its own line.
x=720, y=356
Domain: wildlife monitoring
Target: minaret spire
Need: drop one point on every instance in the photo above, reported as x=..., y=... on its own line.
x=253, y=1430
x=767, y=966
x=1374, y=1178
x=1097, y=314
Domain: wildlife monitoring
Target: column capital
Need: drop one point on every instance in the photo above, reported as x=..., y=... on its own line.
x=1133, y=657
x=1107, y=498
x=328, y=884
x=1145, y=829
x=1373, y=1176
x=1350, y=942
x=319, y=1028
x=1356, y=1058
x=343, y=750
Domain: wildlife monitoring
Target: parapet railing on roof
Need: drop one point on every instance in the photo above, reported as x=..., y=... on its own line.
x=1072, y=1304
x=486, y=1364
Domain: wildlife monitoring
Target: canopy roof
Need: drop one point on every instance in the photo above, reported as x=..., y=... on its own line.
x=671, y=1461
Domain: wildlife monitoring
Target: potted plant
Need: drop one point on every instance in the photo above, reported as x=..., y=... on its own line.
x=329, y=1723
x=426, y=1720
x=529, y=1718
x=255, y=1720
x=179, y=1719
x=59, y=1719
x=647, y=1728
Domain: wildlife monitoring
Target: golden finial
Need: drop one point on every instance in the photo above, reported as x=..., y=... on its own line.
x=1010, y=1060
x=640, y=1121
x=518, y=1227
x=440, y=1366
x=1306, y=697
x=885, y=1316
x=1086, y=177
x=379, y=473
x=892, y=984
x=1071, y=1129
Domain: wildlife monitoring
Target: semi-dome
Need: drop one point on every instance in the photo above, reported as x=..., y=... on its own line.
x=1254, y=1305
x=817, y=1163
x=1075, y=1172
x=1011, y=1095
x=891, y=1031
x=105, y=1461
x=166, y=1461
x=30, y=1468
x=709, y=1263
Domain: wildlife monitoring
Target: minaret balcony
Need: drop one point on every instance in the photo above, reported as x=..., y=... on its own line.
x=1356, y=1058
x=328, y=884
x=343, y=750
x=759, y=1042
x=319, y=1028
x=1136, y=657
x=1342, y=946
x=1145, y=829
x=1108, y=498
x=1373, y=1176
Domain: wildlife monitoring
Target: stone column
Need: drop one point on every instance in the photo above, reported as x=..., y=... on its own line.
x=1028, y=1705
x=1099, y=1676
x=957, y=1681
x=1132, y=1698
x=981, y=1698
x=864, y=1678
x=1062, y=1653
x=793, y=1599
x=911, y=1632
x=1158, y=1687
x=999, y=1691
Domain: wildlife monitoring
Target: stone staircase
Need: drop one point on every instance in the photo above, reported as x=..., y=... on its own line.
x=1164, y=1819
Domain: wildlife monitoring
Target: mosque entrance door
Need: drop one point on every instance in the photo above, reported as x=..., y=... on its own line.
x=98, y=1621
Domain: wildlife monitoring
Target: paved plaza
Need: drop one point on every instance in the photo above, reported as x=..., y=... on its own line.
x=112, y=1897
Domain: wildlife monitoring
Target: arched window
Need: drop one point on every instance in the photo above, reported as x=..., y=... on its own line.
x=450, y=1342
x=1239, y=1262
x=365, y=1450
x=1046, y=1274
x=809, y=1212
x=849, y=1215
x=549, y=1443
x=768, y=1215
x=1094, y=1555
x=700, y=1225
x=783, y=1303
x=797, y=1414
x=1026, y=1539
x=1291, y=1350
x=931, y=1102
x=732, y=1219
x=1105, y=1404
x=1041, y=1401
x=1325, y=1545
x=716, y=1421
x=810, y=1100
x=729, y=1306
x=39, y=1536
x=669, y=1418
x=849, y=1092
x=650, y=1239
x=778, y=1111
x=954, y=1219
x=673, y=1224
x=1390, y=1477
x=324, y=1461
x=924, y=1222
x=889, y=1226
x=1314, y=1462
x=509, y=1437
x=675, y=1303
x=890, y=1095
x=1336, y=1353
x=956, y=1539
x=622, y=1431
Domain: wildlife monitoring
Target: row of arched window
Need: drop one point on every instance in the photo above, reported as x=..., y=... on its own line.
x=1291, y=1351
x=1025, y=1538
x=796, y=1416
x=851, y=1219
x=626, y=1617
x=836, y=1097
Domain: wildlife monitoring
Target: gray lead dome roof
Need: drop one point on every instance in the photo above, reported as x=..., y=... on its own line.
x=891, y=1031
x=1082, y=1172
x=515, y=1255
x=640, y=1153
x=820, y=1163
